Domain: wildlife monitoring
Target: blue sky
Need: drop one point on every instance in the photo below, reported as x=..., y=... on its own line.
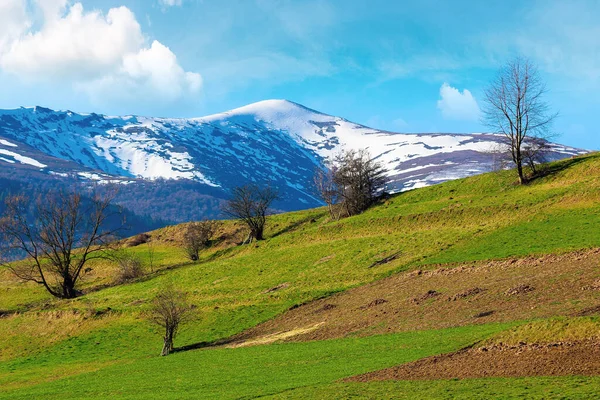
x=403, y=66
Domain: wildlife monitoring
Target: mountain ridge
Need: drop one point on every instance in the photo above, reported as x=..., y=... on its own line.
x=277, y=142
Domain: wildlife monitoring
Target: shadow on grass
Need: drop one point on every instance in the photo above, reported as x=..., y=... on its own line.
x=204, y=345
x=556, y=167
x=297, y=224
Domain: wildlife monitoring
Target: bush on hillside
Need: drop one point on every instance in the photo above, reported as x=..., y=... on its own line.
x=130, y=267
x=197, y=237
x=138, y=240
x=351, y=183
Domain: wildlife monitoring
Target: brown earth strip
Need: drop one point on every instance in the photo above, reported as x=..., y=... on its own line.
x=559, y=359
x=472, y=293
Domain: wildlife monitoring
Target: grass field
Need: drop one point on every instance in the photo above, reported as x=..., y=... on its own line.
x=252, y=371
x=101, y=345
x=576, y=387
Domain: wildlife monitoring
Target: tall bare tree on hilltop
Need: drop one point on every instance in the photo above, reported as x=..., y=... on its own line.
x=68, y=232
x=515, y=107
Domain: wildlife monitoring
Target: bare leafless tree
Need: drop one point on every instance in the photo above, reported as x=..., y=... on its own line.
x=197, y=237
x=326, y=188
x=250, y=204
x=169, y=310
x=515, y=108
x=351, y=183
x=68, y=232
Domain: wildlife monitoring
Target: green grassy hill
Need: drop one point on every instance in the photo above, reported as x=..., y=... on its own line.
x=100, y=345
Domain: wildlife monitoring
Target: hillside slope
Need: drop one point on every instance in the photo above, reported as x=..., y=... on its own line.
x=100, y=345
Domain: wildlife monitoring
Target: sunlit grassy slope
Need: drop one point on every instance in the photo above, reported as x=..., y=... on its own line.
x=477, y=218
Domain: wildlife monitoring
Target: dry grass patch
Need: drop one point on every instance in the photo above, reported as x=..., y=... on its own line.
x=29, y=333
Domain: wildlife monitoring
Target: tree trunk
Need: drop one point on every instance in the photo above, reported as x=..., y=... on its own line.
x=522, y=179
x=167, y=345
x=68, y=288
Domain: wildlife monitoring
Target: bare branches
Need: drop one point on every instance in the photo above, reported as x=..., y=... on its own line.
x=169, y=310
x=68, y=232
x=197, y=237
x=351, y=183
x=326, y=187
x=251, y=204
x=514, y=107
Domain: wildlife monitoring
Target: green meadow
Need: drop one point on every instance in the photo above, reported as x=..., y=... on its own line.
x=101, y=344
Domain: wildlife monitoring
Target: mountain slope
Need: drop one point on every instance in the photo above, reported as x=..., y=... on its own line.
x=49, y=346
x=275, y=141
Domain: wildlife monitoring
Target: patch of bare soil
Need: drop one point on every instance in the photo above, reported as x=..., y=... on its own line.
x=276, y=288
x=521, y=289
x=375, y=303
x=467, y=293
x=430, y=294
x=594, y=286
x=570, y=358
x=587, y=312
x=385, y=260
x=412, y=299
x=484, y=314
x=326, y=307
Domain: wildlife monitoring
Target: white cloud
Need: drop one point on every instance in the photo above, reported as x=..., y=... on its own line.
x=92, y=50
x=456, y=105
x=13, y=21
x=152, y=70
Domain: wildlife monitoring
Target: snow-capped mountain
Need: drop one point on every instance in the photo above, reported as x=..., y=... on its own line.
x=275, y=141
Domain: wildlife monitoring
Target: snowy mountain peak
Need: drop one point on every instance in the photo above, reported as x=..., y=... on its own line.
x=266, y=110
x=274, y=141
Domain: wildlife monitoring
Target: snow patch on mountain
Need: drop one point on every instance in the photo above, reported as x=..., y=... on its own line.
x=21, y=159
x=7, y=143
x=274, y=142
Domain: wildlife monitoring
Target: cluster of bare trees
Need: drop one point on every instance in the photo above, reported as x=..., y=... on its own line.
x=350, y=183
x=515, y=108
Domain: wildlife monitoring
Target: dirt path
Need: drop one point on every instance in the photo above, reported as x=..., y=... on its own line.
x=496, y=291
x=579, y=358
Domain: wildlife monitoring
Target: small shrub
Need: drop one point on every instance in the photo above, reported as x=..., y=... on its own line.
x=138, y=239
x=197, y=237
x=129, y=267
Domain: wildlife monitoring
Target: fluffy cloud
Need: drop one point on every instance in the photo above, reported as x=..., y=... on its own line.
x=150, y=71
x=456, y=105
x=92, y=51
x=13, y=21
